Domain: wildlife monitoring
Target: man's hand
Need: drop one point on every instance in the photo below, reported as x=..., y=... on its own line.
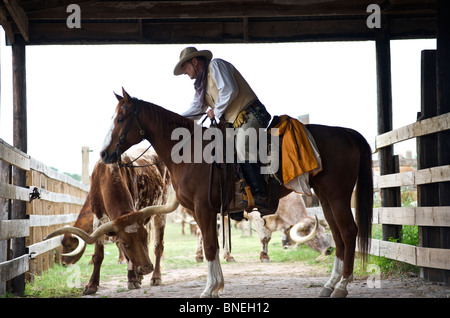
x=210, y=113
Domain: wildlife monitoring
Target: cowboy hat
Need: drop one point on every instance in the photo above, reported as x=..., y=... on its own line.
x=187, y=54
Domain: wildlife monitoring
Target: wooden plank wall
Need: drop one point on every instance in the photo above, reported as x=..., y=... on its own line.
x=51, y=206
x=432, y=216
x=61, y=198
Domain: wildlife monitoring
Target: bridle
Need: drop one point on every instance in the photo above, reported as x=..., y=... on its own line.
x=136, y=105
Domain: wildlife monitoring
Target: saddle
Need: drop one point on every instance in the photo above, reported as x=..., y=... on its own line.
x=238, y=197
x=293, y=174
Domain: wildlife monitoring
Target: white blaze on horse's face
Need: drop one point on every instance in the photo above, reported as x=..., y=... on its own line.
x=108, y=138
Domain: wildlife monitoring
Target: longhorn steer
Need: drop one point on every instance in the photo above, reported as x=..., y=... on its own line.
x=115, y=194
x=291, y=212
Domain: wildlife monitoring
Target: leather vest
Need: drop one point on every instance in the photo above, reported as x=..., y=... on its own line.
x=244, y=98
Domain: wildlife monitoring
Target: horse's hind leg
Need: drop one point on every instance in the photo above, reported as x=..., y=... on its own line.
x=344, y=219
x=338, y=265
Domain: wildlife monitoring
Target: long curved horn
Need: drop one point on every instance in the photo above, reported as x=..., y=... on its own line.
x=89, y=239
x=303, y=239
x=171, y=205
x=79, y=249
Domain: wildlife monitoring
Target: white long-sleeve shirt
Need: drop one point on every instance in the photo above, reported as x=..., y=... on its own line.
x=222, y=73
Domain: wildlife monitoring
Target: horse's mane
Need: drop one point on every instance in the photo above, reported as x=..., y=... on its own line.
x=164, y=116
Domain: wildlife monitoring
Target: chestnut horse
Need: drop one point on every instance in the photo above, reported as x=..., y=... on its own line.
x=346, y=160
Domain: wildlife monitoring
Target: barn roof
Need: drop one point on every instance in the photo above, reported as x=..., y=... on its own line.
x=214, y=21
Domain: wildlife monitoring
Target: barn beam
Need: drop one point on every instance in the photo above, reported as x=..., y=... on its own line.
x=427, y=194
x=209, y=9
x=20, y=142
x=443, y=107
x=222, y=31
x=389, y=196
x=19, y=16
x=6, y=24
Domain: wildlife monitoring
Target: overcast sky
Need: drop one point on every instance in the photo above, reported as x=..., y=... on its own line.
x=70, y=97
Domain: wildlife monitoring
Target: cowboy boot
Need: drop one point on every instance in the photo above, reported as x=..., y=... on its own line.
x=257, y=184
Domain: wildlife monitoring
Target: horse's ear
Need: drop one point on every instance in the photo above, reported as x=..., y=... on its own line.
x=119, y=98
x=126, y=96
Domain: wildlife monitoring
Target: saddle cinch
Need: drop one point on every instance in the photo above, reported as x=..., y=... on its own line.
x=296, y=141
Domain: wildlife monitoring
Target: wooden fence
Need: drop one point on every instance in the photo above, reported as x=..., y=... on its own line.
x=432, y=216
x=59, y=202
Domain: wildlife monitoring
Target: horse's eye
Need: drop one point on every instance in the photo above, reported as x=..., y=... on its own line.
x=120, y=120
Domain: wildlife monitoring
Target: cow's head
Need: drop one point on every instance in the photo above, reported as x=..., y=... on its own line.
x=133, y=240
x=73, y=245
x=131, y=232
x=316, y=239
x=73, y=248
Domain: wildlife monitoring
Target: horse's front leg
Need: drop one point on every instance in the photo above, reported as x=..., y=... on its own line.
x=214, y=282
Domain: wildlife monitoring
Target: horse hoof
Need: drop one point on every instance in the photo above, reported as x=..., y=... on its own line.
x=339, y=293
x=155, y=282
x=133, y=285
x=326, y=292
x=90, y=290
x=265, y=260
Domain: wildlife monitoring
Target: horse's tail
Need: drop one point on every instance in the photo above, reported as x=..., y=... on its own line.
x=364, y=199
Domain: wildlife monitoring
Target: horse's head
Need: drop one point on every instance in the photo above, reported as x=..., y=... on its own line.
x=125, y=129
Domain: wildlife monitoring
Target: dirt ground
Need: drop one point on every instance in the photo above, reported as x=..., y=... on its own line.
x=268, y=280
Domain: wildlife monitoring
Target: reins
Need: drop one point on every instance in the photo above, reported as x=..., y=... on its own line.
x=142, y=132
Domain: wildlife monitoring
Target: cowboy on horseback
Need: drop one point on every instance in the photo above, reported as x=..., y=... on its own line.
x=219, y=86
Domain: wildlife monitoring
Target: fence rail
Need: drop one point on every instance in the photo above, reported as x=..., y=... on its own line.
x=57, y=200
x=433, y=216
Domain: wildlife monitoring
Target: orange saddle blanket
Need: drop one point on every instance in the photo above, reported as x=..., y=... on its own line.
x=299, y=154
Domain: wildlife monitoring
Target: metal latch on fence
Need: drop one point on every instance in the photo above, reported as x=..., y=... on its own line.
x=34, y=194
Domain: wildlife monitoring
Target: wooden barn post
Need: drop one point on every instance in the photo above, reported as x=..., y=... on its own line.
x=428, y=194
x=20, y=142
x=384, y=110
x=443, y=107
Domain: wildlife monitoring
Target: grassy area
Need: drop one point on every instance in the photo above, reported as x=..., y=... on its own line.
x=389, y=267
x=178, y=253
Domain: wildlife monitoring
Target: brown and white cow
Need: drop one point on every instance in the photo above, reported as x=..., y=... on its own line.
x=123, y=200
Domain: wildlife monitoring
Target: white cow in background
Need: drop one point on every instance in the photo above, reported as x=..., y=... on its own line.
x=291, y=214
x=291, y=211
